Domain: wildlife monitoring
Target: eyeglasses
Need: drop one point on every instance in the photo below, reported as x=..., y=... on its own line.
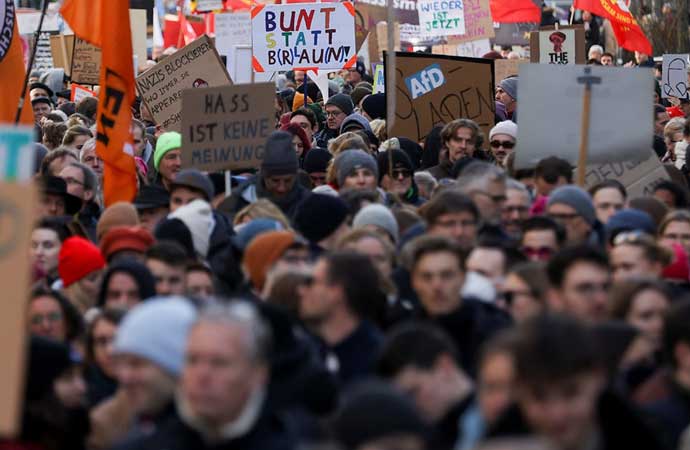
x=494, y=198
x=397, y=173
x=508, y=145
x=333, y=113
x=317, y=178
x=537, y=252
x=103, y=341
x=50, y=318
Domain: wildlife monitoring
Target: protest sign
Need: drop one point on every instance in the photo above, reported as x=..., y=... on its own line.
x=441, y=17
x=17, y=204
x=137, y=23
x=86, y=63
x=379, y=79
x=44, y=56
x=27, y=22
x=674, y=79
x=303, y=35
x=378, y=40
x=232, y=30
x=195, y=65
x=435, y=89
x=371, y=12
x=514, y=33
x=563, y=46
x=208, y=5
x=79, y=92
x=639, y=177
x=61, y=47
x=505, y=68
x=478, y=22
x=551, y=96
x=226, y=128
x=474, y=49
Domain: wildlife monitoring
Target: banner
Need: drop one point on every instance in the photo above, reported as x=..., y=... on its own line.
x=441, y=17
x=225, y=128
x=195, y=66
x=514, y=11
x=12, y=69
x=435, y=89
x=305, y=35
x=628, y=32
x=674, y=78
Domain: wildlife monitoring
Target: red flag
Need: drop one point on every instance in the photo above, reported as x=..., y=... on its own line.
x=512, y=11
x=12, y=71
x=628, y=32
x=97, y=21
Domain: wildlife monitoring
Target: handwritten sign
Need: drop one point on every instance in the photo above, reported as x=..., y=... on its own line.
x=474, y=49
x=61, y=47
x=78, y=92
x=226, y=127
x=478, y=22
x=232, y=30
x=557, y=47
x=441, y=17
x=196, y=65
x=86, y=63
x=639, y=177
x=445, y=88
x=674, y=80
x=318, y=36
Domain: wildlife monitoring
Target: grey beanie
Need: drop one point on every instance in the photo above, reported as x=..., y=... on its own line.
x=510, y=85
x=343, y=102
x=156, y=330
x=377, y=215
x=577, y=198
x=350, y=160
x=280, y=157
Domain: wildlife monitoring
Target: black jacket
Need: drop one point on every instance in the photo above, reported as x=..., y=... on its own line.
x=325, y=135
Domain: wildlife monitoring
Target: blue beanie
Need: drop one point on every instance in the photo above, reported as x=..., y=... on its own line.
x=157, y=331
x=577, y=198
x=630, y=220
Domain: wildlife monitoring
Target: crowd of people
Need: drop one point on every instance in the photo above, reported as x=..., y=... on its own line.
x=357, y=290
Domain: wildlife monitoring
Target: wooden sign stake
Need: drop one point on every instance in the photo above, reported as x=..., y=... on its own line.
x=588, y=80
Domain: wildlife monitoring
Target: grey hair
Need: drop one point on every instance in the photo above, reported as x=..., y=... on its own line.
x=478, y=175
x=244, y=314
x=425, y=178
x=90, y=177
x=515, y=185
x=87, y=147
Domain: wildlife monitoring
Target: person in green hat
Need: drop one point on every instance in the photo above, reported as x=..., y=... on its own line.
x=167, y=159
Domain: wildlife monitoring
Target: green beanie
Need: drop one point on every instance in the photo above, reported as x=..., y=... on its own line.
x=172, y=140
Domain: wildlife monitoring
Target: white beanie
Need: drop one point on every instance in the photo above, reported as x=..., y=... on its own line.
x=156, y=330
x=198, y=217
x=506, y=127
x=377, y=215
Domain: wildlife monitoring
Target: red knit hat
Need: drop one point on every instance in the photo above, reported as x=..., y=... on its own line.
x=679, y=269
x=78, y=258
x=137, y=239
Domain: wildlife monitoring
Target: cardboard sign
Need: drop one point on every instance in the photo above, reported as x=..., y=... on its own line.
x=378, y=40
x=551, y=96
x=505, y=68
x=79, y=92
x=86, y=63
x=478, y=22
x=563, y=46
x=225, y=128
x=232, y=30
x=303, y=35
x=474, y=49
x=371, y=12
x=441, y=17
x=196, y=65
x=62, y=47
x=639, y=177
x=433, y=90
x=137, y=23
x=674, y=79
x=379, y=79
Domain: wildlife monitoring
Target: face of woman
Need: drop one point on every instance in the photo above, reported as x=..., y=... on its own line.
x=376, y=251
x=647, y=314
x=520, y=300
x=45, y=248
x=46, y=318
x=677, y=232
x=298, y=145
x=361, y=179
x=103, y=337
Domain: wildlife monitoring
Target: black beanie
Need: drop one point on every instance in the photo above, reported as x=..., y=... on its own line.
x=400, y=161
x=317, y=160
x=343, y=102
x=280, y=157
x=413, y=150
x=375, y=106
x=319, y=215
x=175, y=230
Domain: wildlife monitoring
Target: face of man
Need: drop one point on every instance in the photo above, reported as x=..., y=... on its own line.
x=147, y=387
x=219, y=375
x=460, y=226
x=437, y=279
x=304, y=123
x=606, y=60
x=629, y=262
x=539, y=245
x=353, y=77
x=491, y=201
x=317, y=178
x=503, y=97
x=91, y=159
x=607, y=202
x=38, y=92
x=61, y=101
x=169, y=279
x=584, y=292
x=576, y=227
x=299, y=77
x=501, y=146
x=362, y=179
x=318, y=300
x=139, y=141
x=40, y=110
x=199, y=284
x=400, y=183
x=122, y=292
x=182, y=195
x=515, y=211
x=334, y=117
x=170, y=165
x=74, y=177
x=280, y=185
x=661, y=119
x=150, y=217
x=461, y=144
x=489, y=262
x=51, y=205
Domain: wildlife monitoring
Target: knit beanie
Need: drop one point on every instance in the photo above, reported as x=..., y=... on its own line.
x=400, y=161
x=577, y=198
x=157, y=331
x=350, y=160
x=78, y=258
x=263, y=251
x=172, y=140
x=194, y=179
x=355, y=122
x=120, y=214
x=379, y=216
x=298, y=101
x=319, y=215
x=359, y=93
x=510, y=86
x=507, y=127
x=375, y=106
x=146, y=284
x=137, y=239
x=198, y=217
x=175, y=230
x=679, y=269
x=280, y=157
x=629, y=220
x=317, y=160
x=247, y=232
x=343, y=102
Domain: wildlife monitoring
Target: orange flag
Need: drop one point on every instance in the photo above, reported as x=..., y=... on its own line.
x=105, y=24
x=12, y=70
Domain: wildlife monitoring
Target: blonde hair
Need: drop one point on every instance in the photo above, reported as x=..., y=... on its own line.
x=675, y=125
x=261, y=209
x=378, y=127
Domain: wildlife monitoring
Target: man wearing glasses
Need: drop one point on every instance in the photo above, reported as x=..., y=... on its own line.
x=502, y=140
x=337, y=109
x=572, y=207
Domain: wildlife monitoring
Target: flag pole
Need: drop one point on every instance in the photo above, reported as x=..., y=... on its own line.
x=22, y=98
x=587, y=80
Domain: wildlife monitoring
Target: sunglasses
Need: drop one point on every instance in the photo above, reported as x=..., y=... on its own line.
x=505, y=144
x=397, y=173
x=537, y=252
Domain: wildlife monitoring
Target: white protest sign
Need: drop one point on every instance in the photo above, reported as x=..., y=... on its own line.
x=305, y=36
x=557, y=47
x=208, y=5
x=551, y=96
x=474, y=49
x=441, y=17
x=674, y=79
x=232, y=30
x=28, y=22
